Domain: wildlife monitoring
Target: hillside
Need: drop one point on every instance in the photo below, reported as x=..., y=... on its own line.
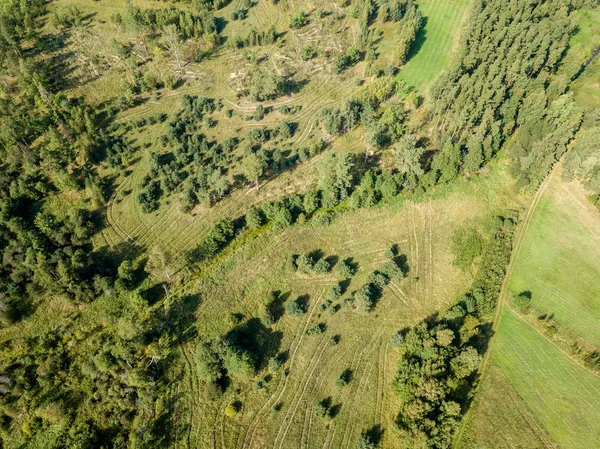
x=249, y=223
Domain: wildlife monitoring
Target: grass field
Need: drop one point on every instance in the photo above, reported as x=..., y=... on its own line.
x=534, y=394
x=436, y=41
x=559, y=394
x=559, y=261
x=258, y=267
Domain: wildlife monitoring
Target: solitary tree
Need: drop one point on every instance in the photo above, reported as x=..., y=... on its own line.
x=253, y=167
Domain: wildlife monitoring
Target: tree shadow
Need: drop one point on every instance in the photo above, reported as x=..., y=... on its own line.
x=259, y=341
x=276, y=306
x=420, y=39
x=375, y=434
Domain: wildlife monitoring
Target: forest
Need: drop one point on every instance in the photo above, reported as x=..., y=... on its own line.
x=242, y=224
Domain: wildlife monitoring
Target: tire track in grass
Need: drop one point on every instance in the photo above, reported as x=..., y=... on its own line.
x=110, y=213
x=355, y=365
x=364, y=381
x=381, y=384
x=297, y=401
x=148, y=230
x=316, y=387
x=255, y=421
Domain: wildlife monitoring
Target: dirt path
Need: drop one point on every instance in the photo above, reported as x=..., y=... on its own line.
x=518, y=243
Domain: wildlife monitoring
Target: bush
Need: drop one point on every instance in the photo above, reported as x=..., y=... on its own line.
x=322, y=267
x=308, y=52
x=334, y=292
x=299, y=21
x=345, y=269
x=317, y=329
x=231, y=410
x=254, y=219
x=523, y=301
x=397, y=339
x=304, y=263
x=274, y=364
x=294, y=308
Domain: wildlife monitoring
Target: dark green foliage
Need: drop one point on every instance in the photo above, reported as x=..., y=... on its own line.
x=266, y=86
x=505, y=77
x=305, y=263
x=295, y=308
x=523, y=301
x=254, y=219
x=308, y=52
x=364, y=298
x=336, y=178
x=317, y=329
x=334, y=292
x=467, y=245
x=347, y=59
x=216, y=239
x=346, y=269
x=397, y=339
x=322, y=266
x=344, y=378
x=188, y=25
x=254, y=38
x=299, y=21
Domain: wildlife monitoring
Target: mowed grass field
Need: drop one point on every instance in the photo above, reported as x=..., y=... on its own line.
x=242, y=278
x=559, y=262
x=559, y=398
x=533, y=394
x=435, y=43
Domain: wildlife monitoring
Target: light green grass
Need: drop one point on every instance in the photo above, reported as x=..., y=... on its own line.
x=502, y=418
x=435, y=42
x=587, y=38
x=240, y=280
x=561, y=395
x=559, y=262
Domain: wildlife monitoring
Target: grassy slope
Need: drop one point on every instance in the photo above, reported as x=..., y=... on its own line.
x=559, y=260
x=254, y=269
x=561, y=394
x=435, y=42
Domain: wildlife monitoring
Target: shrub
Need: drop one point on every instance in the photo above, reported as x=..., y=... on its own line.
x=317, y=329
x=294, y=308
x=345, y=269
x=397, y=339
x=274, y=364
x=308, y=52
x=322, y=267
x=231, y=410
x=304, y=263
x=299, y=21
x=254, y=219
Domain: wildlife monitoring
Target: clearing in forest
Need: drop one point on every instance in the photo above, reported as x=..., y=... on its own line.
x=436, y=41
x=279, y=411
